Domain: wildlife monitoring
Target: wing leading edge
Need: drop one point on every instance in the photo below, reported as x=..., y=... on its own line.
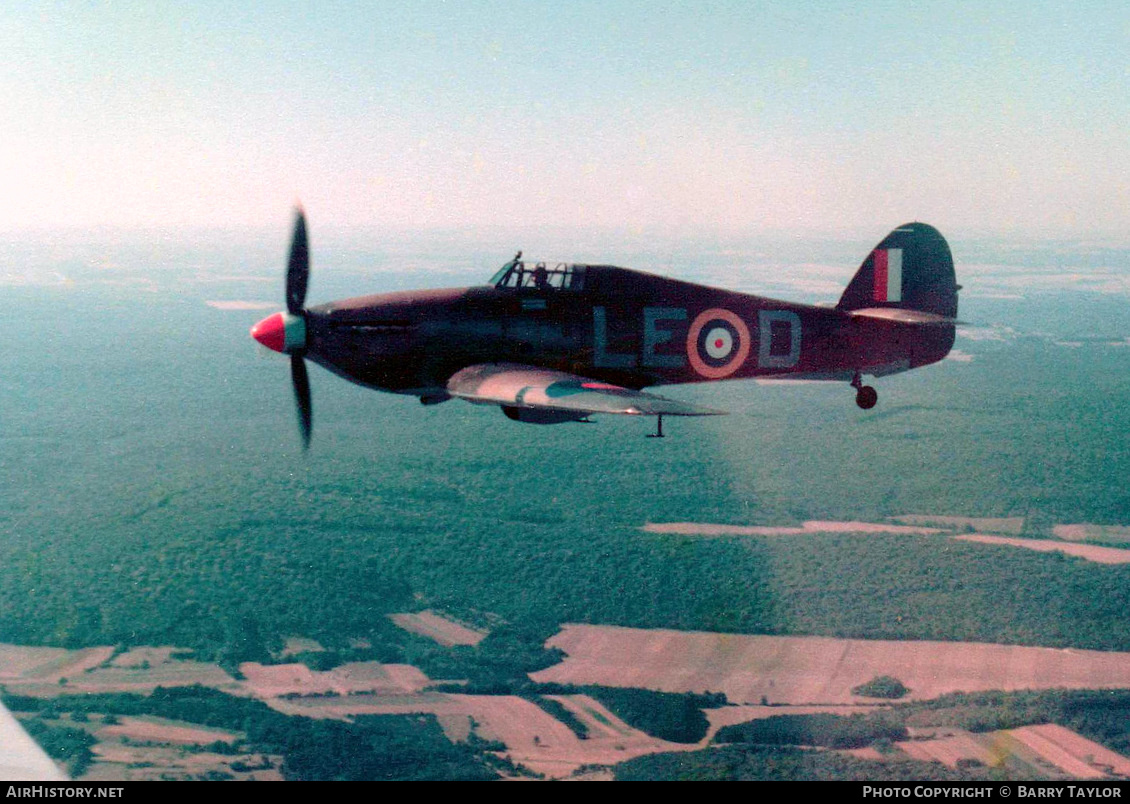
x=21, y=759
x=516, y=386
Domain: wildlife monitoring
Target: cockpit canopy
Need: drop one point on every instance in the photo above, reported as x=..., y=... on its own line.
x=537, y=276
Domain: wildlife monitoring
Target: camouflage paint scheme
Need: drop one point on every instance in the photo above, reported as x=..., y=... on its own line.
x=556, y=343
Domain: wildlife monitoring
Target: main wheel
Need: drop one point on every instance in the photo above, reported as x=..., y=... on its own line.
x=866, y=397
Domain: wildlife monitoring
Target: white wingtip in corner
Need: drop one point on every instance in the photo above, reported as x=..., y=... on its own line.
x=21, y=758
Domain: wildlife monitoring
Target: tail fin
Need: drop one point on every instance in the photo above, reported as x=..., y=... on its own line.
x=911, y=269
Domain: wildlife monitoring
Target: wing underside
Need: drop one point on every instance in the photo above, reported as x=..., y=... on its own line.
x=900, y=315
x=526, y=387
x=21, y=759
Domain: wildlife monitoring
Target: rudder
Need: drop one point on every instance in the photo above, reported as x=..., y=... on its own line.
x=911, y=268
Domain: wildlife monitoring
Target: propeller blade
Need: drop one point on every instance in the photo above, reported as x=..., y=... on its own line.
x=298, y=266
x=301, y=381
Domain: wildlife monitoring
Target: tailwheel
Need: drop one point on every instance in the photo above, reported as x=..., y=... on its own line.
x=866, y=397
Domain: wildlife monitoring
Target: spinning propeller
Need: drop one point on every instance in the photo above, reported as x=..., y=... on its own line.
x=286, y=332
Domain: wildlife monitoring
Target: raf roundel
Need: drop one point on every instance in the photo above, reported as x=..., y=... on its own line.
x=717, y=343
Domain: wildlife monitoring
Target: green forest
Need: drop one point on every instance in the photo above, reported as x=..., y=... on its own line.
x=158, y=516
x=153, y=497
x=786, y=747
x=867, y=585
x=402, y=747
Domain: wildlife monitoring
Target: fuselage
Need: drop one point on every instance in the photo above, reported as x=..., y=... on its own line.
x=611, y=324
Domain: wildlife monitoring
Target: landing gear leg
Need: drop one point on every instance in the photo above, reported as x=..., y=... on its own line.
x=865, y=395
x=658, y=429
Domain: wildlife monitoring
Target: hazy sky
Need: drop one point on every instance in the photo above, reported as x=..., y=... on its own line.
x=979, y=117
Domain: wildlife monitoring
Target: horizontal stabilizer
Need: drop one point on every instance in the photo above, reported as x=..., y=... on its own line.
x=902, y=315
x=516, y=386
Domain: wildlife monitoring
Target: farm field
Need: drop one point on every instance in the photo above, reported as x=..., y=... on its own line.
x=816, y=670
x=399, y=591
x=442, y=630
x=763, y=678
x=1042, y=748
x=1068, y=539
x=1091, y=552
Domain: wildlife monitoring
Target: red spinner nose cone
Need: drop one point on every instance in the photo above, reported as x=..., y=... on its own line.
x=271, y=332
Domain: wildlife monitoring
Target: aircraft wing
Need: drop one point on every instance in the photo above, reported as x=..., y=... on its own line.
x=901, y=315
x=518, y=386
x=21, y=759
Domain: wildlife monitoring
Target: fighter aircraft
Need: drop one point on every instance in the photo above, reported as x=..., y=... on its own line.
x=553, y=343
